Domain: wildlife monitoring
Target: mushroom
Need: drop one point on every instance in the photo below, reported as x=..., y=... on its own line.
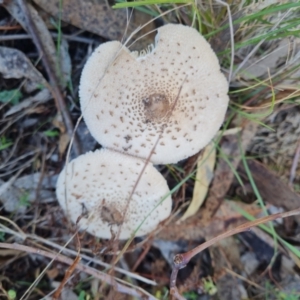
x=174, y=92
x=95, y=192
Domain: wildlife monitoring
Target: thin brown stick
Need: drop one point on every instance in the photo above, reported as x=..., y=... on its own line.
x=141, y=257
x=12, y=27
x=55, y=90
x=35, y=240
x=138, y=292
x=229, y=271
x=70, y=37
x=68, y=274
x=182, y=259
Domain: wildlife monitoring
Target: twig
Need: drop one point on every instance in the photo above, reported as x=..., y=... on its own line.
x=55, y=90
x=34, y=239
x=12, y=27
x=141, y=257
x=66, y=277
x=91, y=271
x=72, y=38
x=69, y=272
x=182, y=259
x=94, y=260
x=232, y=273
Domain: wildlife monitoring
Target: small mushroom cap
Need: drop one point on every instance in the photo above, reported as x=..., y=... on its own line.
x=176, y=90
x=96, y=187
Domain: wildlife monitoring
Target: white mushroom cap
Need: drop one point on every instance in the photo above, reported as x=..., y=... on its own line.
x=96, y=187
x=127, y=100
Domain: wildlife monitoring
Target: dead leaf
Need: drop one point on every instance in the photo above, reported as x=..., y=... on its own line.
x=64, y=63
x=94, y=16
x=194, y=228
x=64, y=137
x=271, y=188
x=56, y=60
x=59, y=123
x=98, y=17
x=64, y=140
x=204, y=176
x=23, y=191
x=14, y=64
x=283, y=51
x=257, y=67
x=232, y=146
x=277, y=144
x=40, y=97
x=52, y=273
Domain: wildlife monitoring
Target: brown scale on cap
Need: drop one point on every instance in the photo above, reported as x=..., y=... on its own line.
x=174, y=90
x=156, y=107
x=111, y=215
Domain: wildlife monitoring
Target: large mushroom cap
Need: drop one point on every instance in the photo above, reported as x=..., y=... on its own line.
x=128, y=100
x=96, y=187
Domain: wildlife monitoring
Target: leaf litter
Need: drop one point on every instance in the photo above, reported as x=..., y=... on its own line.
x=204, y=175
x=30, y=161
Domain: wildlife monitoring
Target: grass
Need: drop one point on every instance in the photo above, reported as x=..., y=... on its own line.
x=5, y=143
x=12, y=96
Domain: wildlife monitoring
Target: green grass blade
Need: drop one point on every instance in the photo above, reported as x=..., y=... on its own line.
x=150, y=2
